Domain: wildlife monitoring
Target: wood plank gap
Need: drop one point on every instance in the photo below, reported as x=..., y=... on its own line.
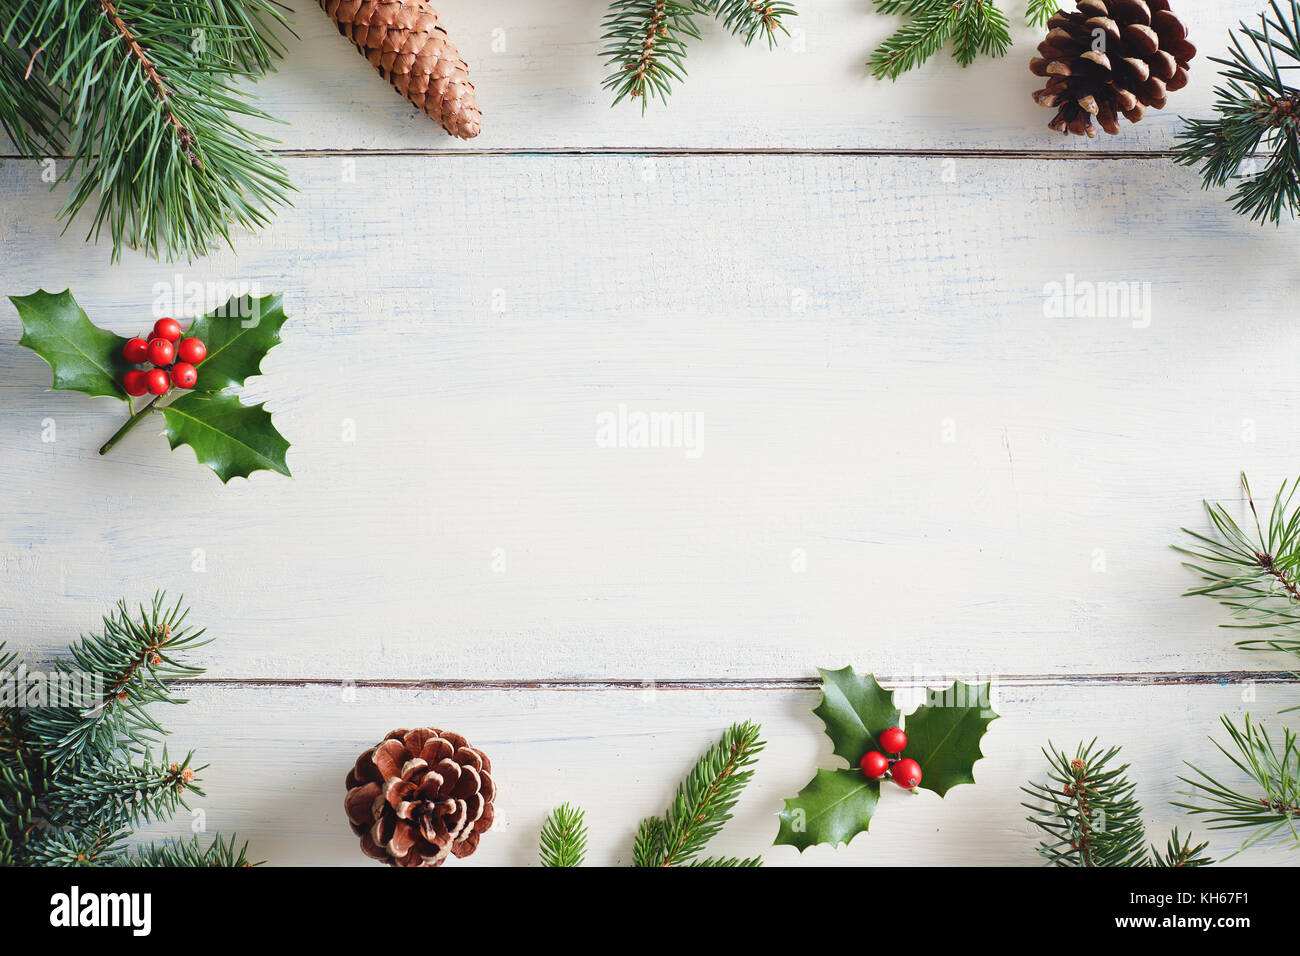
x=882, y=153
x=1143, y=679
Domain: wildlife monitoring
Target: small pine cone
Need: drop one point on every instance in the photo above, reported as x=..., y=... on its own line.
x=403, y=41
x=1111, y=57
x=419, y=796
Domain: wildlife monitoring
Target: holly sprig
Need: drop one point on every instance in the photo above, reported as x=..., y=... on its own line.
x=861, y=719
x=231, y=438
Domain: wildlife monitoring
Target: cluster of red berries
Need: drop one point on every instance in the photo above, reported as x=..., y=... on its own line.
x=905, y=772
x=172, y=357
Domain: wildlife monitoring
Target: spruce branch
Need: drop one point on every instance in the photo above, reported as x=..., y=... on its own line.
x=563, y=840
x=703, y=802
x=1038, y=12
x=219, y=853
x=1254, y=136
x=1255, y=575
x=1090, y=817
x=749, y=19
x=1264, y=797
x=144, y=95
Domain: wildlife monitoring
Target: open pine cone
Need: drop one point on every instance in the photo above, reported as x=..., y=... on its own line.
x=419, y=796
x=1111, y=57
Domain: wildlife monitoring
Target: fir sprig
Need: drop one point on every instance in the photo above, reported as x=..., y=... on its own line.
x=1090, y=816
x=78, y=774
x=563, y=840
x=702, y=804
x=1256, y=576
x=1266, y=795
x=145, y=94
x=1255, y=134
x=974, y=27
x=646, y=40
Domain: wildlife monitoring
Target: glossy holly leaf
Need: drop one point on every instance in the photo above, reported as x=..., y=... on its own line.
x=84, y=358
x=231, y=438
x=835, y=807
x=238, y=335
x=855, y=710
x=944, y=733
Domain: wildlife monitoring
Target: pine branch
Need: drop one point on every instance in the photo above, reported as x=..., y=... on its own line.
x=119, y=795
x=1266, y=795
x=1257, y=112
x=147, y=101
x=563, y=841
x=974, y=27
x=703, y=802
x=1254, y=576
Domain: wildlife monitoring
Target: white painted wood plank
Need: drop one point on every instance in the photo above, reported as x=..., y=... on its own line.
x=278, y=757
x=542, y=90
x=903, y=461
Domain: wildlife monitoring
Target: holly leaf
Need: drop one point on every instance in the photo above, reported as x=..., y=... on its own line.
x=231, y=438
x=944, y=733
x=835, y=807
x=84, y=358
x=238, y=335
x=855, y=711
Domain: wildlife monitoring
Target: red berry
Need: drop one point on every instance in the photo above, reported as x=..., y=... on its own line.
x=907, y=773
x=874, y=764
x=893, y=739
x=168, y=329
x=135, y=351
x=191, y=350
x=161, y=352
x=156, y=380
x=184, y=375
x=134, y=382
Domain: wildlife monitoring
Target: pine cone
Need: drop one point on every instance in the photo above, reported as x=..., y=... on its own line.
x=419, y=795
x=1110, y=57
x=403, y=41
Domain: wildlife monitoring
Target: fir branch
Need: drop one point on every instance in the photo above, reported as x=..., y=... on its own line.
x=974, y=27
x=1087, y=810
x=563, y=841
x=1180, y=854
x=121, y=795
x=135, y=660
x=748, y=19
x=1266, y=795
x=646, y=47
x=1254, y=576
x=219, y=853
x=703, y=802
x=1257, y=112
x=147, y=102
x=1038, y=12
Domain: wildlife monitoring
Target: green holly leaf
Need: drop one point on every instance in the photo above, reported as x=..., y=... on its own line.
x=84, y=358
x=238, y=335
x=231, y=438
x=855, y=711
x=944, y=733
x=835, y=807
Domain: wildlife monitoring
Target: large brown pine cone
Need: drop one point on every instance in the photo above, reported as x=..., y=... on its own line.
x=1111, y=57
x=404, y=42
x=419, y=796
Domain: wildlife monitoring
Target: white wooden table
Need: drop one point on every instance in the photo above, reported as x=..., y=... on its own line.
x=901, y=458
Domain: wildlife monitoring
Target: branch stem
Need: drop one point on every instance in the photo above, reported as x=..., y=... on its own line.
x=129, y=424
